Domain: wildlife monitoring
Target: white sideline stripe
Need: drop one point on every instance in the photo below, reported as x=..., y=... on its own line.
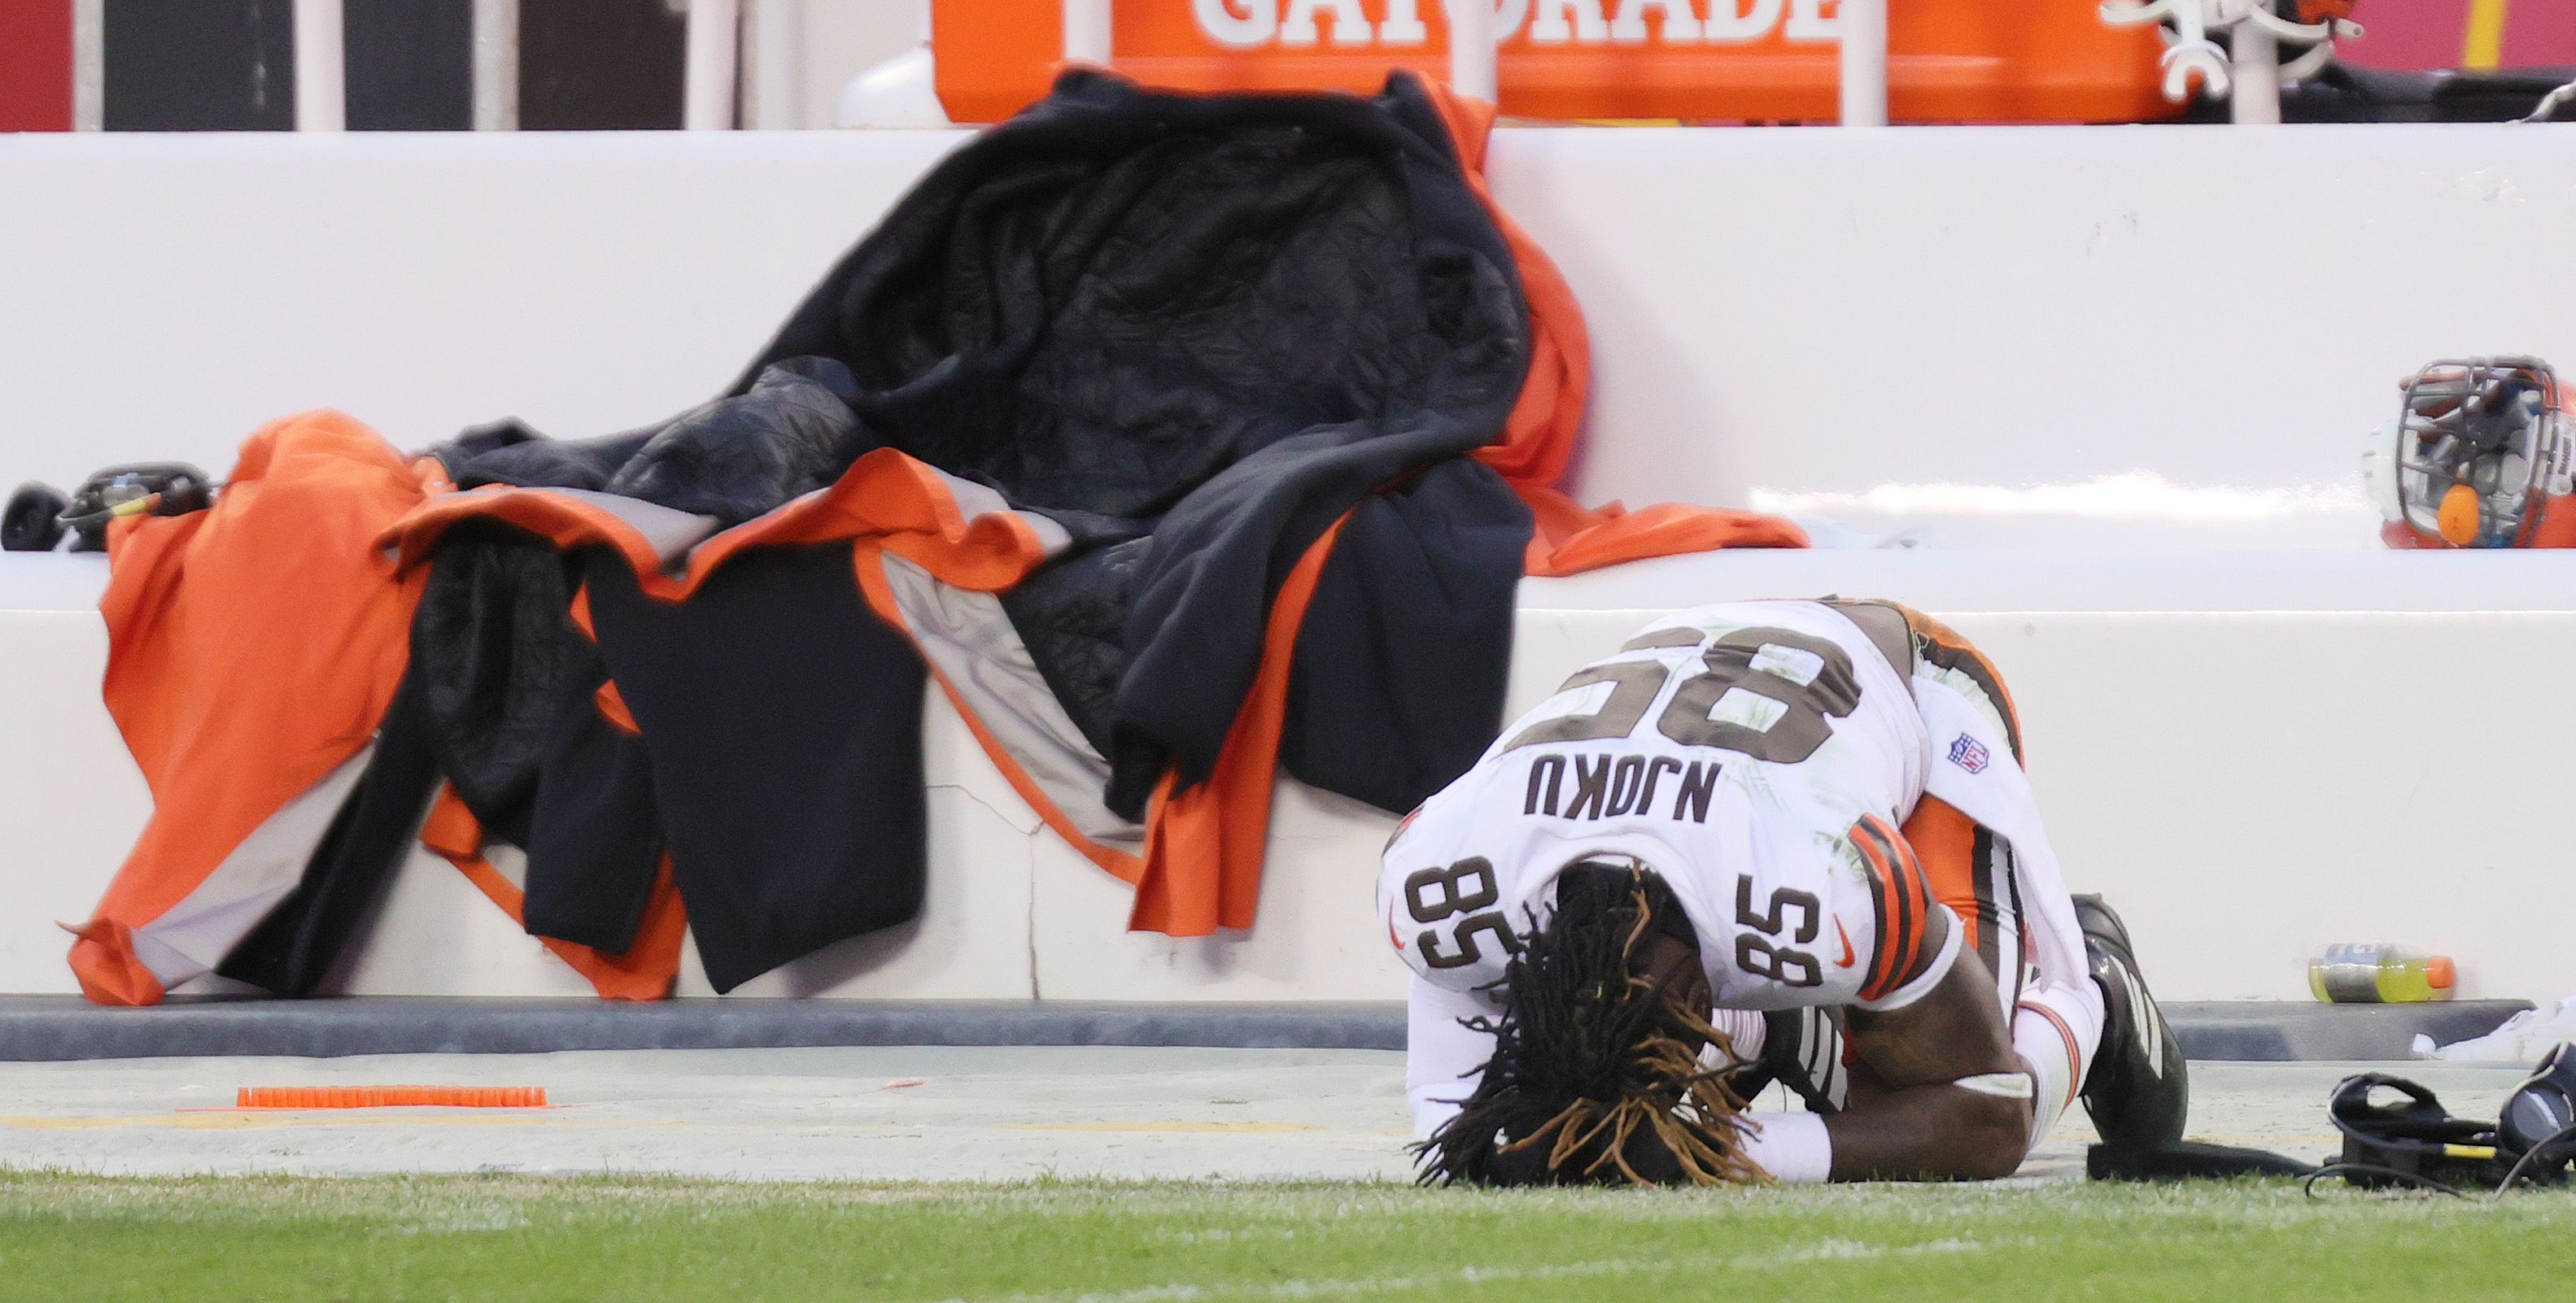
x=1820, y=1251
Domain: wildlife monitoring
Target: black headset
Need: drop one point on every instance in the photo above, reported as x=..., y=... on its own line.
x=40, y=515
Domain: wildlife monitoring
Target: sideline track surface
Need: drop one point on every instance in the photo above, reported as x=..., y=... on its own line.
x=43, y=1027
x=978, y=1114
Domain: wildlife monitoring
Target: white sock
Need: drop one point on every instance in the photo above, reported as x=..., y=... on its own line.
x=2056, y=1029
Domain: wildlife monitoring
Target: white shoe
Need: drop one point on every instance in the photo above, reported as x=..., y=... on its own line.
x=2521, y=1040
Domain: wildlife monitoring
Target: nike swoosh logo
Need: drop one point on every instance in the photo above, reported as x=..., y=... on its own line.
x=1845, y=938
x=1391, y=936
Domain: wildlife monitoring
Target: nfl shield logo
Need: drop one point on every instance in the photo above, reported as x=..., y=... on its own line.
x=1969, y=754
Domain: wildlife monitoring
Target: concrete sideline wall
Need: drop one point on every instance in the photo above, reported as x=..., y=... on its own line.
x=1790, y=314
x=2256, y=732
x=2248, y=784
x=1822, y=313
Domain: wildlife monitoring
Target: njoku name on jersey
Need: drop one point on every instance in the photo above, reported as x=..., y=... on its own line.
x=1732, y=748
x=1731, y=682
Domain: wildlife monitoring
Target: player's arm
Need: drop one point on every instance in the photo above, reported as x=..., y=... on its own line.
x=1908, y=1116
x=1924, y=1019
x=1443, y=1056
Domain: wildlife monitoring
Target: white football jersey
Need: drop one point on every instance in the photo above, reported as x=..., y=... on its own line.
x=1757, y=756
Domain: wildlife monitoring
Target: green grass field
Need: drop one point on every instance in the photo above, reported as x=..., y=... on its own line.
x=285, y=1240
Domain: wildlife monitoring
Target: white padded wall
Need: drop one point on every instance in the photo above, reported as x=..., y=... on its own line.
x=1823, y=313
x=2249, y=787
x=1796, y=313
x=2246, y=784
x=162, y=295
x=2255, y=752
x=71, y=800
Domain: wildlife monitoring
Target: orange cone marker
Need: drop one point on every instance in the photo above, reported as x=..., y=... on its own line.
x=301, y=1097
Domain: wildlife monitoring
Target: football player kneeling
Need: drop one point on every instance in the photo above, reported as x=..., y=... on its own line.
x=1765, y=841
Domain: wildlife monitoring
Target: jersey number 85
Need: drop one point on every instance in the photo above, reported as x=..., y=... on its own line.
x=1434, y=896
x=1769, y=694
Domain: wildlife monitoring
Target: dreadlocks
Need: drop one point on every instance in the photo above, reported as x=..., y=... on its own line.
x=1595, y=1076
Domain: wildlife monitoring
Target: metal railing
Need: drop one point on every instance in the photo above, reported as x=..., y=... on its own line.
x=1864, y=63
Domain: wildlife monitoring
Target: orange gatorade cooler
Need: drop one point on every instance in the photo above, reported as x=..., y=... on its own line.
x=1692, y=60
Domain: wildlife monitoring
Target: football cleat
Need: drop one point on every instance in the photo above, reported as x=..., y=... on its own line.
x=2139, y=1089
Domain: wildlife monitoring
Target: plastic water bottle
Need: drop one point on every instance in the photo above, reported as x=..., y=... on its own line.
x=2359, y=972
